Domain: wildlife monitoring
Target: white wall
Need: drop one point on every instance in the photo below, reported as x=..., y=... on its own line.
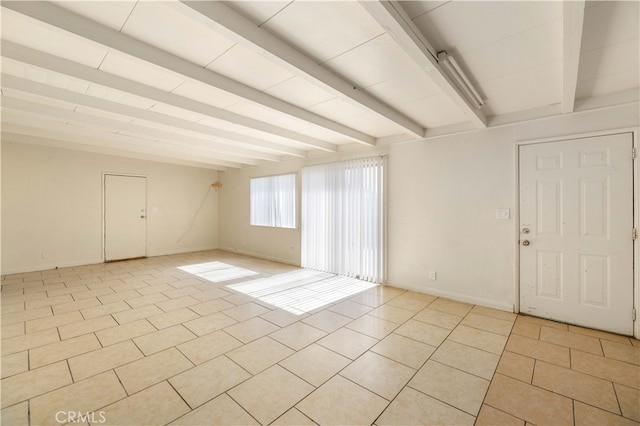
x=52, y=206
x=442, y=197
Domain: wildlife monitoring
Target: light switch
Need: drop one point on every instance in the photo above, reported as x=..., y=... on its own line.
x=502, y=214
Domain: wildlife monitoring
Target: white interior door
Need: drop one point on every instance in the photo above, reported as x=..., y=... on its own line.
x=576, y=222
x=125, y=228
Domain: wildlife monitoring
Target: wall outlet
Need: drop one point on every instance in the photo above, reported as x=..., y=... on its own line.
x=433, y=275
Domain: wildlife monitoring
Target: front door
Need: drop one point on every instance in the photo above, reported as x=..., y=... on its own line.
x=576, y=223
x=125, y=228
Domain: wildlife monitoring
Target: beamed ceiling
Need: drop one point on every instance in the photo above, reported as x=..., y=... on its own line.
x=229, y=84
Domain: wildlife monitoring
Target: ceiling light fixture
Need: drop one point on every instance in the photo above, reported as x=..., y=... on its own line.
x=454, y=70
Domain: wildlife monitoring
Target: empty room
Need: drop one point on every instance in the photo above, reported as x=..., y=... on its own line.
x=338, y=212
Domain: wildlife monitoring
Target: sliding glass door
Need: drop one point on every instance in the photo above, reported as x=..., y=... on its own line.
x=343, y=218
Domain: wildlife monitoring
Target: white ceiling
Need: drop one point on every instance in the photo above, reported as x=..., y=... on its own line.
x=230, y=84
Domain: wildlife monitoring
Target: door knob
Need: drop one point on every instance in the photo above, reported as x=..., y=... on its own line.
x=141, y=217
x=525, y=230
x=525, y=243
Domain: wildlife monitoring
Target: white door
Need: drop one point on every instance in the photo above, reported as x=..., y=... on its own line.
x=125, y=229
x=576, y=222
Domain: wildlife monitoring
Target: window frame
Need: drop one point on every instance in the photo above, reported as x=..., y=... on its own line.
x=294, y=202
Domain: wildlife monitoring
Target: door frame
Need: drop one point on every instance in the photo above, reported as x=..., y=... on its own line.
x=634, y=132
x=103, y=232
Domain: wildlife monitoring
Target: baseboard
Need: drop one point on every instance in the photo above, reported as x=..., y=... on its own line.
x=47, y=267
x=258, y=255
x=459, y=297
x=181, y=251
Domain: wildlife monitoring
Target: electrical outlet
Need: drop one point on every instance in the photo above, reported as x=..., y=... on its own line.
x=433, y=275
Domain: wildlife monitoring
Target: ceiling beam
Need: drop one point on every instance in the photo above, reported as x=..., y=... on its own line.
x=122, y=143
x=68, y=21
x=9, y=137
x=399, y=25
x=46, y=91
x=224, y=152
x=572, y=24
x=49, y=62
x=224, y=20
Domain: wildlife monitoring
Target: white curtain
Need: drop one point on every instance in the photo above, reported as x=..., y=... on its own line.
x=273, y=201
x=342, y=218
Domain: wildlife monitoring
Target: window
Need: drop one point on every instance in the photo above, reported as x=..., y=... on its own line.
x=273, y=201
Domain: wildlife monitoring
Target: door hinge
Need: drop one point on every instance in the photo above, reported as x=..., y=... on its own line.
x=634, y=233
x=633, y=314
x=634, y=153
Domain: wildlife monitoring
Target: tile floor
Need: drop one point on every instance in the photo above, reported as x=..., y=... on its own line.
x=168, y=340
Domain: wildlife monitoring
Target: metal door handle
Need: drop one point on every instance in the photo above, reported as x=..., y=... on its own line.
x=526, y=242
x=525, y=230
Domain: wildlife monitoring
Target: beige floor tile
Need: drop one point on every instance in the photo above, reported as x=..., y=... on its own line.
x=466, y=358
x=457, y=388
x=153, y=369
x=27, y=341
x=451, y=306
x=269, y=394
x=489, y=416
x=209, y=346
x=350, y=309
x=161, y=405
x=404, y=350
x=239, y=299
x=31, y=314
x=173, y=304
x=327, y=321
x=127, y=331
x=293, y=417
x=17, y=414
x=75, y=306
x=600, y=334
x=415, y=408
x=629, y=401
x=38, y=303
x=99, y=290
x=516, y=366
x=154, y=289
x=495, y=313
x=136, y=314
x=576, y=385
x=222, y=411
x=340, y=401
x=116, y=297
x=282, y=318
x=12, y=330
x=423, y=332
x=527, y=329
x=246, y=311
x=528, y=402
x=543, y=322
x=380, y=375
x=348, y=342
x=85, y=396
x=184, y=289
x=14, y=307
x=588, y=415
x=372, y=300
x=251, y=329
x=486, y=323
x=606, y=368
x=172, y=318
x=64, y=349
x=538, y=349
x=163, y=339
x=259, y=354
x=411, y=301
x=621, y=352
x=149, y=299
x=35, y=382
x=87, y=326
x=92, y=363
x=14, y=364
x=571, y=340
x=392, y=313
x=441, y=319
x=298, y=335
x=52, y=322
x=373, y=326
x=211, y=306
x=206, y=381
x=209, y=323
x=315, y=364
x=102, y=310
x=208, y=293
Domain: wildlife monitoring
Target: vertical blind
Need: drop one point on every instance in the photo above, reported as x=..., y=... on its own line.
x=273, y=201
x=342, y=218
